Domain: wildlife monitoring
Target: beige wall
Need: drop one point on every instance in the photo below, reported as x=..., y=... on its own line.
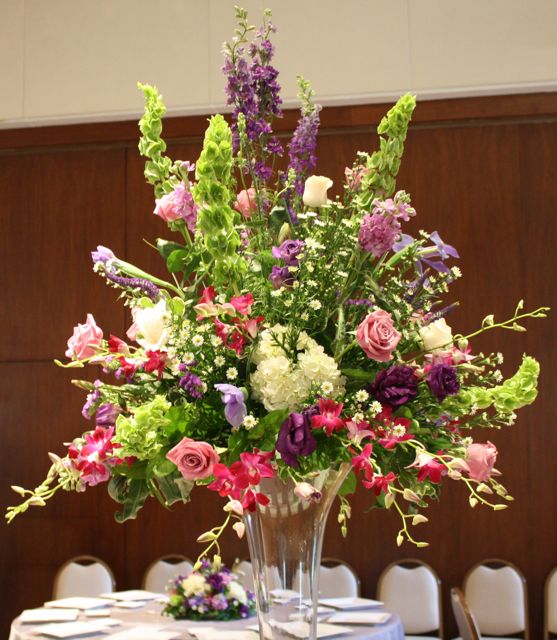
x=79, y=60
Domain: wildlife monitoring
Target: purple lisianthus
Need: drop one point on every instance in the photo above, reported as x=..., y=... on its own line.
x=107, y=413
x=281, y=277
x=442, y=381
x=378, y=233
x=235, y=407
x=91, y=400
x=219, y=602
x=295, y=438
x=395, y=386
x=288, y=252
x=189, y=382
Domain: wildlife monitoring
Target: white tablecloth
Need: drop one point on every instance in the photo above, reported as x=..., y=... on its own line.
x=150, y=614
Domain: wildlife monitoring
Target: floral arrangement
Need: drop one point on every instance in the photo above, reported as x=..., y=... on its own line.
x=295, y=332
x=212, y=592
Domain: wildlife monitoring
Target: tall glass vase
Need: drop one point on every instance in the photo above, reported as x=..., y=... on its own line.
x=285, y=539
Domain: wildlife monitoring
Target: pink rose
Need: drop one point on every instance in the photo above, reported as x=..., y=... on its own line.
x=85, y=340
x=166, y=208
x=377, y=335
x=480, y=460
x=195, y=460
x=246, y=202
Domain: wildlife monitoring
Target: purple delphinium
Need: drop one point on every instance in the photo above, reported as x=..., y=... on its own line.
x=360, y=302
x=295, y=438
x=442, y=381
x=107, y=414
x=378, y=233
x=288, y=252
x=395, y=386
x=189, y=382
x=302, y=148
x=235, y=409
x=281, y=277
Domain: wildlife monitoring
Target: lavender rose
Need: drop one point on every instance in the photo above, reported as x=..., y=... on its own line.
x=288, y=252
x=377, y=335
x=395, y=386
x=195, y=460
x=442, y=381
x=281, y=277
x=295, y=438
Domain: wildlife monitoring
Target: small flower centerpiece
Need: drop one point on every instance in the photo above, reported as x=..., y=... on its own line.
x=212, y=592
x=299, y=344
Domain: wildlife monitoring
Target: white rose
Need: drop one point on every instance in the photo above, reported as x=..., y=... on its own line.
x=195, y=585
x=315, y=191
x=151, y=324
x=436, y=335
x=237, y=592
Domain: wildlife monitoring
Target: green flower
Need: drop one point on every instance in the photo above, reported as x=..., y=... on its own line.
x=143, y=434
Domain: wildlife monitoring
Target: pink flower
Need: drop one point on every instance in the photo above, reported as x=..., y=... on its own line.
x=362, y=461
x=357, y=431
x=307, y=492
x=480, y=460
x=85, y=340
x=328, y=417
x=195, y=460
x=392, y=430
x=251, y=499
x=246, y=202
x=429, y=467
x=92, y=459
x=254, y=466
x=242, y=304
x=177, y=205
x=379, y=483
x=377, y=336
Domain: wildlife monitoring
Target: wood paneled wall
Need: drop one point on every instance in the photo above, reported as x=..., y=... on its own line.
x=481, y=171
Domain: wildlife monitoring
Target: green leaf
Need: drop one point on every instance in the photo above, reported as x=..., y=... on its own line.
x=177, y=260
x=349, y=484
x=357, y=374
x=166, y=247
x=132, y=497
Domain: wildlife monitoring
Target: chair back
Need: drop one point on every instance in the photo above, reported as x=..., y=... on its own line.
x=83, y=576
x=411, y=589
x=244, y=571
x=467, y=626
x=496, y=594
x=160, y=572
x=550, y=609
x=338, y=579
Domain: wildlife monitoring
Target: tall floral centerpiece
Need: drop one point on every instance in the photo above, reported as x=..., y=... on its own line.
x=298, y=346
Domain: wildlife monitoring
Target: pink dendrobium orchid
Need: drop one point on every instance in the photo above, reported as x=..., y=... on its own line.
x=428, y=467
x=393, y=430
x=328, y=417
x=254, y=466
x=379, y=483
x=93, y=458
x=362, y=461
x=357, y=431
x=225, y=481
x=156, y=362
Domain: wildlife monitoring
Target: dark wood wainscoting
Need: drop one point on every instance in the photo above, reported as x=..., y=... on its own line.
x=482, y=171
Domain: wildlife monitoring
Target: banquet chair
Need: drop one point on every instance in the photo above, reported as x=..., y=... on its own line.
x=411, y=589
x=161, y=571
x=465, y=621
x=244, y=571
x=338, y=579
x=83, y=576
x=550, y=606
x=496, y=594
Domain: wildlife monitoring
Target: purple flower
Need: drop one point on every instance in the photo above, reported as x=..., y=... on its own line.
x=102, y=255
x=145, y=286
x=442, y=381
x=288, y=252
x=189, y=382
x=295, y=438
x=107, y=414
x=302, y=147
x=91, y=400
x=235, y=407
x=438, y=249
x=281, y=277
x=395, y=386
x=378, y=233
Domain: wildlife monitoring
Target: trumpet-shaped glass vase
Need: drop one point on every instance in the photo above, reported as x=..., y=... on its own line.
x=285, y=539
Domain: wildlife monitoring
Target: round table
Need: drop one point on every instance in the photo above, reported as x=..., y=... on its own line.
x=150, y=614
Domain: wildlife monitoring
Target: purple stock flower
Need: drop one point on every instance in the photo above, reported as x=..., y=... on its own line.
x=107, y=413
x=442, y=381
x=288, y=252
x=235, y=407
x=189, y=382
x=295, y=438
x=281, y=277
x=395, y=386
x=378, y=233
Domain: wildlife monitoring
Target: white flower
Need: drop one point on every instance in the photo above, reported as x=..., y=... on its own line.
x=362, y=395
x=216, y=341
x=219, y=361
x=456, y=272
x=249, y=422
x=436, y=335
x=195, y=585
x=327, y=388
x=277, y=385
x=236, y=592
x=315, y=305
x=304, y=316
x=358, y=417
x=318, y=367
x=232, y=373
x=152, y=326
x=288, y=302
x=189, y=357
x=307, y=492
x=276, y=293
x=375, y=408
x=197, y=340
x=398, y=431
x=315, y=191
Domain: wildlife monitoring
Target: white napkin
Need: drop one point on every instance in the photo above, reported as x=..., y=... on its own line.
x=132, y=594
x=146, y=632
x=68, y=629
x=130, y=604
x=78, y=603
x=350, y=604
x=300, y=629
x=211, y=633
x=359, y=617
x=49, y=615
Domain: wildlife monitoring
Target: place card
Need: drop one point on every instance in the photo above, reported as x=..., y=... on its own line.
x=359, y=617
x=77, y=602
x=350, y=604
x=131, y=595
x=49, y=615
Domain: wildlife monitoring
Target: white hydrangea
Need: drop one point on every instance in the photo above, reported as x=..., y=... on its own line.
x=237, y=592
x=318, y=367
x=277, y=385
x=195, y=585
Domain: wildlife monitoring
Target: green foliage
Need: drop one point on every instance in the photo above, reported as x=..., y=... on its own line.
x=263, y=435
x=212, y=194
x=131, y=494
x=383, y=165
x=151, y=145
x=142, y=434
